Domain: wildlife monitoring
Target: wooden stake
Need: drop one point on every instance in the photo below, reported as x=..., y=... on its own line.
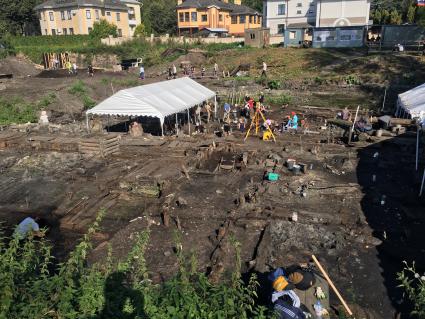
x=330, y=282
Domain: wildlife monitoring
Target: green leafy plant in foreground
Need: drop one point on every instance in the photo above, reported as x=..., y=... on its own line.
x=413, y=284
x=32, y=285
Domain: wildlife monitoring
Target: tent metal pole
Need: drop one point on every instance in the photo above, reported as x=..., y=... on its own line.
x=215, y=107
x=162, y=128
x=188, y=119
x=87, y=123
x=422, y=186
x=417, y=148
x=177, y=125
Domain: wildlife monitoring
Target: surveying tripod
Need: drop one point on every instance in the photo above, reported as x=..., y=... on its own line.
x=256, y=122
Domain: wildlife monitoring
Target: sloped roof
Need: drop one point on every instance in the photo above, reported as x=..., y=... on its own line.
x=413, y=101
x=107, y=4
x=233, y=8
x=155, y=100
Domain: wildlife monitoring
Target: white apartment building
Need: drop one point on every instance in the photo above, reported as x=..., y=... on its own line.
x=281, y=14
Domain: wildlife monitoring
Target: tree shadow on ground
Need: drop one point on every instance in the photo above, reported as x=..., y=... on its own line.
x=393, y=211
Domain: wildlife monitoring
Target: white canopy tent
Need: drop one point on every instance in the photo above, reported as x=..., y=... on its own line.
x=412, y=103
x=155, y=100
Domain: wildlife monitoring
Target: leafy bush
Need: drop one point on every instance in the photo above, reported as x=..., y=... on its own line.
x=274, y=85
x=279, y=100
x=140, y=30
x=30, y=288
x=352, y=80
x=78, y=88
x=103, y=29
x=414, y=287
x=17, y=111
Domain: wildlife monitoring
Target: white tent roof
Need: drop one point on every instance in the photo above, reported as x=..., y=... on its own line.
x=413, y=101
x=155, y=100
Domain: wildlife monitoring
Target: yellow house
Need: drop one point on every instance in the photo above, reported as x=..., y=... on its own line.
x=216, y=15
x=63, y=17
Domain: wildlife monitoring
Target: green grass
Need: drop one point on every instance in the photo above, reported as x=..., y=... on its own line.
x=78, y=88
x=17, y=111
x=279, y=99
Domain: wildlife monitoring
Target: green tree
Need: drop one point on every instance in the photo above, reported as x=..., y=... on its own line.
x=420, y=16
x=385, y=16
x=19, y=17
x=159, y=16
x=376, y=16
x=140, y=30
x=254, y=4
x=411, y=12
x=103, y=29
x=395, y=17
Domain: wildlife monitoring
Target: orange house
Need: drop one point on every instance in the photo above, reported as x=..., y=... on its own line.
x=219, y=15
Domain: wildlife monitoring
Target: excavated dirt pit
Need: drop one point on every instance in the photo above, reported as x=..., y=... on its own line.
x=212, y=190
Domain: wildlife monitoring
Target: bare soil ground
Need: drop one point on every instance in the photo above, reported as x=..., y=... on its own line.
x=340, y=216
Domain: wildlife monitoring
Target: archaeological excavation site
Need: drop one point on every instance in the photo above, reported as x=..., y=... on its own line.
x=319, y=163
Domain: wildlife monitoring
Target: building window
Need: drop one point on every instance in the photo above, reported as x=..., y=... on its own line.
x=118, y=16
x=53, y=32
x=234, y=20
x=40, y=15
x=69, y=14
x=281, y=9
x=96, y=13
x=51, y=16
x=45, y=31
x=119, y=32
x=281, y=29
x=90, y=29
x=65, y=31
x=71, y=31
x=242, y=19
x=62, y=15
x=194, y=16
x=108, y=13
x=88, y=14
x=299, y=5
x=186, y=16
x=204, y=18
x=299, y=12
x=181, y=17
x=255, y=19
x=310, y=11
x=250, y=19
x=292, y=35
x=220, y=18
x=252, y=35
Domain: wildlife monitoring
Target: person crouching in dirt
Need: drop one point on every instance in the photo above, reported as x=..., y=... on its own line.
x=74, y=68
x=28, y=227
x=68, y=66
x=90, y=70
x=227, y=110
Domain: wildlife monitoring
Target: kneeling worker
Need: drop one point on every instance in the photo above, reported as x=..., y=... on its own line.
x=28, y=227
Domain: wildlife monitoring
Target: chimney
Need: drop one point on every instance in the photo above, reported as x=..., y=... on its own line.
x=238, y=2
x=179, y=2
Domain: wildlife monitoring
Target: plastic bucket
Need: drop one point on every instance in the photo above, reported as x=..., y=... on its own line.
x=296, y=169
x=273, y=177
x=290, y=163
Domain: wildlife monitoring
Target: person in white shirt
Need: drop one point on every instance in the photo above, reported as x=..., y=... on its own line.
x=142, y=73
x=174, y=71
x=264, y=73
x=28, y=226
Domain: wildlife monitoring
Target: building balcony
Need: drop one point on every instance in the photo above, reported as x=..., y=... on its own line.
x=132, y=22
